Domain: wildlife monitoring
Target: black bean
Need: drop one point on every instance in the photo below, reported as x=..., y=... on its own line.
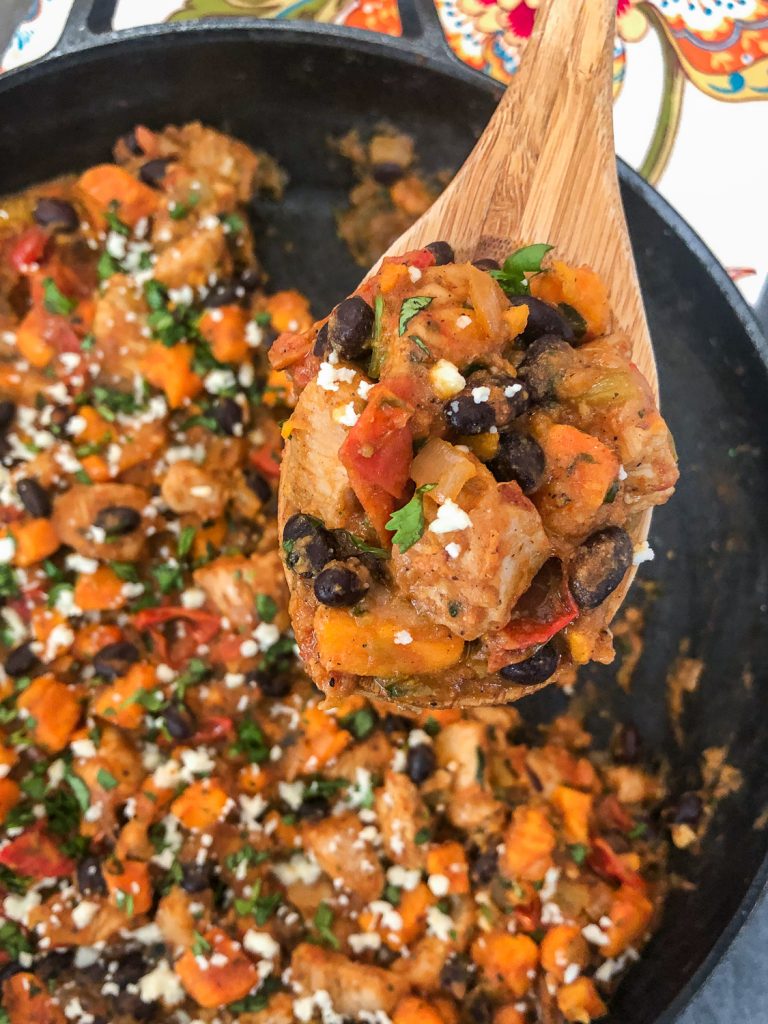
x=346, y=549
x=542, y=361
x=457, y=975
x=542, y=319
x=132, y=1005
x=466, y=416
x=486, y=264
x=251, y=278
x=599, y=565
x=20, y=661
x=115, y=659
x=313, y=808
x=385, y=957
x=387, y=172
x=484, y=866
x=131, y=966
x=117, y=520
x=7, y=413
x=153, y=172
x=299, y=525
x=60, y=417
x=396, y=723
x=228, y=415
x=8, y=970
x=223, y=293
x=442, y=251
x=338, y=586
x=536, y=669
x=478, y=1008
x=272, y=683
x=420, y=762
x=195, y=877
x=179, y=722
x=90, y=879
x=56, y=214
x=53, y=964
x=350, y=327
x=519, y=458
x=507, y=396
x=258, y=484
x=34, y=498
x=131, y=143
x=320, y=348
x=688, y=810
x=308, y=546
x=627, y=743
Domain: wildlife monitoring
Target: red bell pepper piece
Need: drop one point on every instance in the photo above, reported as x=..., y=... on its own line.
x=36, y=855
x=28, y=250
x=377, y=455
x=214, y=729
x=604, y=861
x=543, y=610
x=202, y=628
x=266, y=460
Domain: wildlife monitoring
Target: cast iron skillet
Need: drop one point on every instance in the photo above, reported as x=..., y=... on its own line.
x=287, y=87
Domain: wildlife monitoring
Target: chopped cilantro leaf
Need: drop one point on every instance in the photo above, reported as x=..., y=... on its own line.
x=107, y=266
x=179, y=211
x=523, y=261
x=422, y=836
x=200, y=945
x=409, y=309
x=106, y=779
x=54, y=300
x=266, y=607
x=114, y=222
x=125, y=571
x=186, y=539
x=419, y=343
x=9, y=587
x=323, y=922
x=578, y=852
x=168, y=577
x=407, y=523
x=360, y=723
x=251, y=742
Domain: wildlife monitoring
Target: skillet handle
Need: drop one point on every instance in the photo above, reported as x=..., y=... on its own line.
x=87, y=21
x=423, y=29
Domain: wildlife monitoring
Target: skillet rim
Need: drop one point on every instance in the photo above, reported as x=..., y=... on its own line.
x=419, y=49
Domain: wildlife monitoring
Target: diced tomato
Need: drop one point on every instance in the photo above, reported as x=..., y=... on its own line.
x=604, y=860
x=214, y=729
x=35, y=854
x=202, y=627
x=543, y=610
x=420, y=258
x=288, y=349
x=377, y=455
x=28, y=249
x=266, y=460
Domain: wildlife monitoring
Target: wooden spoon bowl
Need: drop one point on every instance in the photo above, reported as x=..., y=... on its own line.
x=544, y=170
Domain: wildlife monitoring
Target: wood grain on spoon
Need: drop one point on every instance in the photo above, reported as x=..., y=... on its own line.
x=544, y=170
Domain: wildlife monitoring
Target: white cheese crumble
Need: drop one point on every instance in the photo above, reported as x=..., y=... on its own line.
x=161, y=983
x=194, y=597
x=512, y=389
x=439, y=924
x=219, y=380
x=251, y=809
x=292, y=793
x=261, y=944
x=345, y=415
x=329, y=375
x=438, y=885
x=453, y=550
x=364, y=388
x=402, y=637
x=463, y=321
x=481, y=394
x=84, y=913
x=415, y=274
x=7, y=549
x=450, y=518
x=403, y=878
x=266, y=635
x=594, y=934
x=298, y=869
x=643, y=553
x=445, y=379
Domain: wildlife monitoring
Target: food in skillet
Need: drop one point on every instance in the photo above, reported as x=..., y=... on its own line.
x=185, y=834
x=468, y=449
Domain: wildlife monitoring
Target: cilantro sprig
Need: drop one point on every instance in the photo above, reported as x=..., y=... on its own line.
x=410, y=307
x=407, y=523
x=523, y=261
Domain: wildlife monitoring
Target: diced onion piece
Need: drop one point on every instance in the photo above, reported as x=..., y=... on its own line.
x=444, y=464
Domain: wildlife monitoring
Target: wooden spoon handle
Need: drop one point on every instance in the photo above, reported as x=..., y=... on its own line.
x=531, y=146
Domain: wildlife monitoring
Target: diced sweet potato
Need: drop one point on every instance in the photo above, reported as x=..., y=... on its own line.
x=580, y=1002
x=201, y=805
x=449, y=860
x=105, y=184
x=53, y=708
x=630, y=914
x=365, y=645
x=129, y=885
x=26, y=1000
x=528, y=845
x=210, y=983
x=563, y=945
x=507, y=960
x=575, y=808
x=118, y=704
x=413, y=1010
x=99, y=591
x=9, y=797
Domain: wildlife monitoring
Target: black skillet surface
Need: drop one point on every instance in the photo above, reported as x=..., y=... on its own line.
x=287, y=88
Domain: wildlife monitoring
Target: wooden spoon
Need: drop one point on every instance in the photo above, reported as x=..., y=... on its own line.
x=544, y=170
